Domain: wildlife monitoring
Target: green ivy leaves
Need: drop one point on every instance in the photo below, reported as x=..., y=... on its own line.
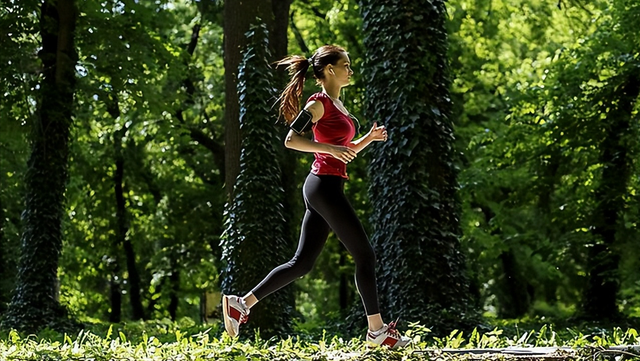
x=255, y=238
x=413, y=175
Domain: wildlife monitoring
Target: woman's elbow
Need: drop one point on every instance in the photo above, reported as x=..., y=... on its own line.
x=288, y=141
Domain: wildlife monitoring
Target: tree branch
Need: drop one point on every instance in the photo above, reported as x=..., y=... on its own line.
x=298, y=35
x=198, y=135
x=316, y=11
x=187, y=153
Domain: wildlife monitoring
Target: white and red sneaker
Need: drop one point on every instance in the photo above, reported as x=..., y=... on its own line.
x=235, y=313
x=388, y=336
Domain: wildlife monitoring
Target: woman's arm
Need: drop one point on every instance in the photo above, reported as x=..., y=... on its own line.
x=377, y=133
x=302, y=144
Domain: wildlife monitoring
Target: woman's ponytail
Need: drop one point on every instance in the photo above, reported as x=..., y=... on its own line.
x=297, y=67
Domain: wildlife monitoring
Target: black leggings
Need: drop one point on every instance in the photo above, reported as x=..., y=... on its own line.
x=327, y=209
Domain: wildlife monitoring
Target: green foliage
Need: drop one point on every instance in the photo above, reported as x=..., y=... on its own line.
x=536, y=186
x=178, y=344
x=584, y=114
x=162, y=340
x=413, y=175
x=532, y=134
x=497, y=49
x=171, y=184
x=19, y=68
x=255, y=238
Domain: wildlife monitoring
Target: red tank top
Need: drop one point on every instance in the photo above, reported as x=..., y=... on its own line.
x=335, y=128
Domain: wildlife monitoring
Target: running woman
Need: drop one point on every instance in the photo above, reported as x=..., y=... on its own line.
x=327, y=208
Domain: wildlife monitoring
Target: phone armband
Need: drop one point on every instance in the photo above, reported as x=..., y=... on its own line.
x=303, y=122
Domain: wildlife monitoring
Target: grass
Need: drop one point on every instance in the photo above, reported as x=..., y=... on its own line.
x=165, y=340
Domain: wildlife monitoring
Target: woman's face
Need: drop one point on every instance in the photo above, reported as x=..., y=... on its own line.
x=341, y=71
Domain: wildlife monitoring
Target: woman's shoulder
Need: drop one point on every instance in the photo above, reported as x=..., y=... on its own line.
x=319, y=96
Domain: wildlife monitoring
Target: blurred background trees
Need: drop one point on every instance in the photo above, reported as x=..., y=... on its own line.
x=545, y=122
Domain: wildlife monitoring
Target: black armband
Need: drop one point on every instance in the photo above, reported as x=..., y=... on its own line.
x=303, y=122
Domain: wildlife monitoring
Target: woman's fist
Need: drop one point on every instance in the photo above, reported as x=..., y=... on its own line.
x=343, y=153
x=378, y=133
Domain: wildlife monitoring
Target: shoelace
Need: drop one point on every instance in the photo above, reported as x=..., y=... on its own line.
x=244, y=317
x=391, y=328
x=244, y=313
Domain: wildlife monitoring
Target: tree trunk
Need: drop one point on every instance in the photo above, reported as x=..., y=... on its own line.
x=278, y=36
x=115, y=282
x=34, y=304
x=3, y=275
x=288, y=159
x=516, y=299
x=422, y=271
x=123, y=228
x=174, y=282
x=238, y=15
x=121, y=240
x=251, y=221
x=115, y=293
x=601, y=293
x=134, y=281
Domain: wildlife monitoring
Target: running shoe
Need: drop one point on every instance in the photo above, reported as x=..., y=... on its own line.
x=388, y=336
x=235, y=313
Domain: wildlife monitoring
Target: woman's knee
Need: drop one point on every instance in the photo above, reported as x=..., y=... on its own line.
x=365, y=256
x=299, y=267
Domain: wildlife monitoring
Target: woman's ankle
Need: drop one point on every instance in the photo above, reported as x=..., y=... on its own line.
x=375, y=322
x=249, y=300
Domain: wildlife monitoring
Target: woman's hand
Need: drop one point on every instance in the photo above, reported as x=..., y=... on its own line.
x=378, y=133
x=345, y=154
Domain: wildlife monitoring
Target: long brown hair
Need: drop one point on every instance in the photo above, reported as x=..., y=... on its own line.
x=298, y=66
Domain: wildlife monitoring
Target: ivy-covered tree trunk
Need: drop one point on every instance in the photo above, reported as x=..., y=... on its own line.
x=601, y=294
x=34, y=304
x=422, y=273
x=238, y=15
x=255, y=239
